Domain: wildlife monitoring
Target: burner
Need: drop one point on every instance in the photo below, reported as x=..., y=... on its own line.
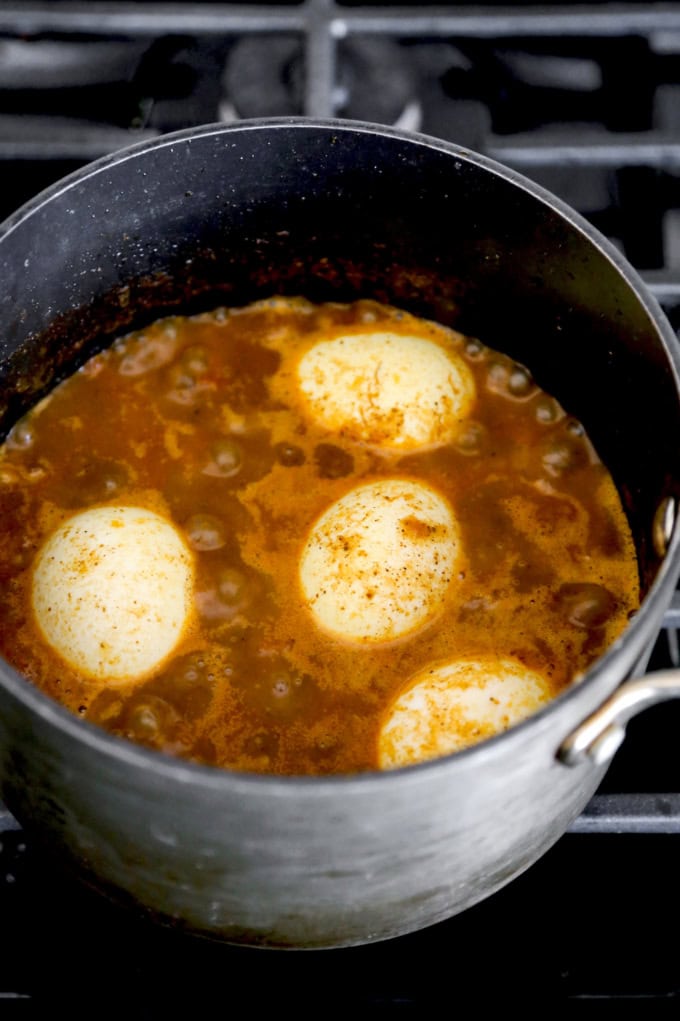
x=265, y=77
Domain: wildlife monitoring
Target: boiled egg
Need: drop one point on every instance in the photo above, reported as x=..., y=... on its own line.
x=449, y=706
x=112, y=591
x=391, y=391
x=378, y=563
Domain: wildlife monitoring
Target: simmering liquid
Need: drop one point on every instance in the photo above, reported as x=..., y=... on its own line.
x=302, y=539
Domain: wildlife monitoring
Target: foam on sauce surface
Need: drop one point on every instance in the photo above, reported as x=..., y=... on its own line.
x=358, y=502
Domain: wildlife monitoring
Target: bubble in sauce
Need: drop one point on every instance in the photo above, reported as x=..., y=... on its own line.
x=205, y=532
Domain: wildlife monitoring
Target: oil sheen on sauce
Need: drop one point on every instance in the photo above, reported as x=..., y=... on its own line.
x=305, y=539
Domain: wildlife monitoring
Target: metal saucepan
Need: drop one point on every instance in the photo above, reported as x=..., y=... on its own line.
x=336, y=210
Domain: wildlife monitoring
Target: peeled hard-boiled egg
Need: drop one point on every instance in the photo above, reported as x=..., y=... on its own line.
x=450, y=706
x=112, y=591
x=378, y=562
x=389, y=390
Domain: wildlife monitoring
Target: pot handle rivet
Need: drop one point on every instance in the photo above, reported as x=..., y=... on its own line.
x=662, y=525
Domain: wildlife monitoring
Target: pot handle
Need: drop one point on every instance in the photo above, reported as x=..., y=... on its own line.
x=599, y=737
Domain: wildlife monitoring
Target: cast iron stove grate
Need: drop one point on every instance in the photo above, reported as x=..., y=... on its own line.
x=585, y=99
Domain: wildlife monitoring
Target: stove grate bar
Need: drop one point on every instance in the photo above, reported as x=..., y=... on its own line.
x=629, y=813
x=151, y=19
x=602, y=149
x=99, y=18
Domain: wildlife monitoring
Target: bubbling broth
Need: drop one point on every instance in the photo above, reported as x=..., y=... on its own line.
x=304, y=539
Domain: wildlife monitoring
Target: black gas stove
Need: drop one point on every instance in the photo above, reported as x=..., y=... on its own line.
x=585, y=99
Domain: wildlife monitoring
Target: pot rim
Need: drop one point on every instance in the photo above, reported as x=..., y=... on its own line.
x=647, y=619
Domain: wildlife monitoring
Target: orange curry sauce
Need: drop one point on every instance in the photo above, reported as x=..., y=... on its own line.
x=198, y=419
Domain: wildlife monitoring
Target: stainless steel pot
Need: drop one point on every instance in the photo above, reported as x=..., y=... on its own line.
x=336, y=210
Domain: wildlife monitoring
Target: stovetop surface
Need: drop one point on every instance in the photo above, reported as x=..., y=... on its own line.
x=585, y=99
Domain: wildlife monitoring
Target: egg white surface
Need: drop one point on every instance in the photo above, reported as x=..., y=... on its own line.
x=451, y=706
x=379, y=561
x=392, y=391
x=112, y=591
